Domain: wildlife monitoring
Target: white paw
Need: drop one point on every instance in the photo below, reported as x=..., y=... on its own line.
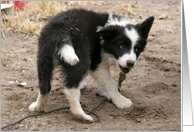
x=35, y=107
x=84, y=117
x=121, y=102
x=88, y=118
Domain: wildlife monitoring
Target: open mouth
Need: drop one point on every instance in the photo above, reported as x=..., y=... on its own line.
x=124, y=69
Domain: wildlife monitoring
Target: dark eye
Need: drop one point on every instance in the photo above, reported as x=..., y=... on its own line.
x=136, y=49
x=122, y=46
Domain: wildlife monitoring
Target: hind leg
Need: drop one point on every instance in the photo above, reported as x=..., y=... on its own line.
x=75, y=77
x=40, y=103
x=45, y=68
x=73, y=96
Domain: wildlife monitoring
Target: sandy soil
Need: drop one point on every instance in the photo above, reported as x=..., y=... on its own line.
x=154, y=85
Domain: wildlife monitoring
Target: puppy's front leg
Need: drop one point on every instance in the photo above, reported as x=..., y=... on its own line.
x=108, y=88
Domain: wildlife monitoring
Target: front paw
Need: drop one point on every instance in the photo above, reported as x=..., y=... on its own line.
x=121, y=102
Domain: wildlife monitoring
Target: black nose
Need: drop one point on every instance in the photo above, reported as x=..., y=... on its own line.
x=130, y=63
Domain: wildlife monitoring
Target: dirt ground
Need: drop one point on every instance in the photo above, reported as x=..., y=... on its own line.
x=154, y=85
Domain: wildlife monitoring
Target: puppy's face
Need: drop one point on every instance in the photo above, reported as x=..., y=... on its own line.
x=125, y=41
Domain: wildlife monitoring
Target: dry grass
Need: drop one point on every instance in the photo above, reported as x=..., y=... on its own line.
x=86, y=3
x=31, y=19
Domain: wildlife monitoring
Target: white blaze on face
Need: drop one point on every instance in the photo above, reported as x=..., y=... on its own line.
x=115, y=21
x=132, y=35
x=130, y=55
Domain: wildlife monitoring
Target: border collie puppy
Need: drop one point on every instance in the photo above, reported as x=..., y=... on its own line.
x=85, y=41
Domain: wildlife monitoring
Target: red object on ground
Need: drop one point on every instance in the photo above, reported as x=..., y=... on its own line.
x=19, y=5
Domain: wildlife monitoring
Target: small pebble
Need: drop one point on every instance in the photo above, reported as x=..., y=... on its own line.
x=23, y=83
x=138, y=119
x=11, y=81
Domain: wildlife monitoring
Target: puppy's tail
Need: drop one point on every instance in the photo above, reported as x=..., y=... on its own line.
x=67, y=52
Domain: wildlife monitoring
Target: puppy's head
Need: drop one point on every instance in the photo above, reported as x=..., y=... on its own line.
x=124, y=40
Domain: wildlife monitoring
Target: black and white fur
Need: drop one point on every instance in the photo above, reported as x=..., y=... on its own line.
x=85, y=41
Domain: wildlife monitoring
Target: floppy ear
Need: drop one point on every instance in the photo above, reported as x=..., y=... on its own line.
x=145, y=27
x=108, y=33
